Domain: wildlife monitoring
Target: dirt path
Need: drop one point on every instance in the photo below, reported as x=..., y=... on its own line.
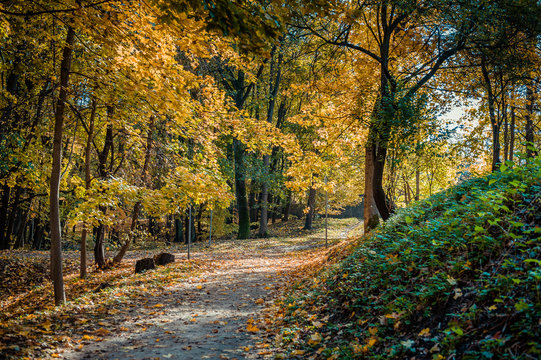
x=211, y=316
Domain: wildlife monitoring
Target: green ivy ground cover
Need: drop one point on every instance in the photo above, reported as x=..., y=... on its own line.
x=454, y=276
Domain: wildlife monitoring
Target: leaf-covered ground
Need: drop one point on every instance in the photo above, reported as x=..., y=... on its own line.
x=208, y=307
x=457, y=276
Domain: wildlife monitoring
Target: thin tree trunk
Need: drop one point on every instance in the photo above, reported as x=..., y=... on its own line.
x=274, y=212
x=38, y=236
x=13, y=214
x=530, y=140
x=240, y=190
x=495, y=126
x=189, y=229
x=264, y=199
x=137, y=207
x=406, y=193
x=287, y=207
x=19, y=243
x=103, y=172
x=179, y=235
x=417, y=183
x=505, y=136
x=311, y=208
x=4, y=240
x=252, y=203
x=82, y=269
x=273, y=93
x=512, y=134
x=56, y=245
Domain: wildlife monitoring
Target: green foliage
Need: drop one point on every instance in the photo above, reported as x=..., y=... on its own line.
x=457, y=275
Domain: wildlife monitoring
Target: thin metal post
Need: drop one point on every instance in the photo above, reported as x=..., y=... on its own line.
x=210, y=232
x=189, y=230
x=326, y=212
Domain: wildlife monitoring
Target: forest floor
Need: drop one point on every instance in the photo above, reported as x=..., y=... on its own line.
x=218, y=305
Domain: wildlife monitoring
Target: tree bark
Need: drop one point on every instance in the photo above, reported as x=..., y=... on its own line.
x=137, y=207
x=371, y=213
x=264, y=200
x=103, y=172
x=505, y=136
x=189, y=233
x=494, y=123
x=274, y=213
x=19, y=242
x=273, y=93
x=287, y=208
x=88, y=148
x=4, y=240
x=240, y=190
x=530, y=140
x=311, y=208
x=417, y=183
x=13, y=215
x=179, y=235
x=56, y=245
x=378, y=192
x=252, y=203
x=512, y=135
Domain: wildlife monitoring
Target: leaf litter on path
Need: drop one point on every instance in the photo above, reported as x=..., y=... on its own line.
x=210, y=307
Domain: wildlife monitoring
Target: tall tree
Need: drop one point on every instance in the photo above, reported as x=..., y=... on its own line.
x=54, y=216
x=409, y=42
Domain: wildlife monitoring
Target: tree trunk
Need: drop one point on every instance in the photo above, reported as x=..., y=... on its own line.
x=189, y=233
x=494, y=123
x=505, y=135
x=12, y=215
x=530, y=140
x=406, y=192
x=264, y=200
x=371, y=214
x=199, y=230
x=417, y=183
x=99, y=248
x=273, y=93
x=311, y=209
x=252, y=203
x=54, y=217
x=287, y=207
x=103, y=172
x=38, y=235
x=240, y=191
x=83, y=261
x=274, y=212
x=512, y=135
x=137, y=207
x=4, y=240
x=19, y=243
x=179, y=235
x=168, y=222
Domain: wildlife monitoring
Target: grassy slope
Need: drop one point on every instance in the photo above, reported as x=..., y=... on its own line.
x=454, y=276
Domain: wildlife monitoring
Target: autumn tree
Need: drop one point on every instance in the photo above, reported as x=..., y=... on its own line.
x=409, y=43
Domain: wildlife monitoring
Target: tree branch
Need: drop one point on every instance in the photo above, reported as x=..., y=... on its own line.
x=56, y=11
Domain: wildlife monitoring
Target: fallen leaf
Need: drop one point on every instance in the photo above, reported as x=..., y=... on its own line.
x=251, y=328
x=315, y=339
x=102, y=332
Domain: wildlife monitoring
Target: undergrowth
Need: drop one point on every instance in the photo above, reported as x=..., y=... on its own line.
x=454, y=276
